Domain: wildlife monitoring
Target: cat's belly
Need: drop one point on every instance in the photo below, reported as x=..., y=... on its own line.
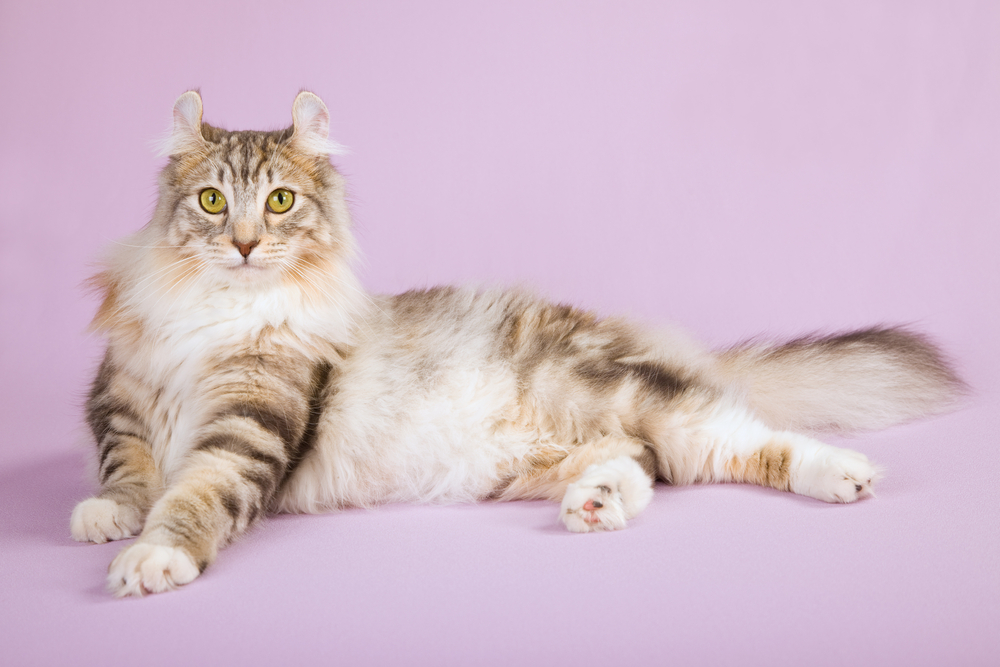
x=396, y=442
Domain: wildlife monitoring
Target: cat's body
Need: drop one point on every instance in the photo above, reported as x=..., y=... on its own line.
x=246, y=371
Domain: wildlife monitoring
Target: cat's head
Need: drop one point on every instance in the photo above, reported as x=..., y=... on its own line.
x=248, y=207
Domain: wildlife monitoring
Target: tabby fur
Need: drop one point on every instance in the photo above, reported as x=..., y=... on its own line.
x=247, y=371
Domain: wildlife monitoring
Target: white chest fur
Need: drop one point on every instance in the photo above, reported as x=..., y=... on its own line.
x=188, y=331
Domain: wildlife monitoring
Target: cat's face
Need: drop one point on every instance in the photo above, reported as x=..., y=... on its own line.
x=253, y=206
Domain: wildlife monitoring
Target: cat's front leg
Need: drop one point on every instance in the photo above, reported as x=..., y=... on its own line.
x=217, y=497
x=130, y=482
x=100, y=520
x=261, y=406
x=230, y=477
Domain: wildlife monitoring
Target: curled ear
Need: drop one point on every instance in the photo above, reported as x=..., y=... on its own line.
x=311, y=123
x=185, y=136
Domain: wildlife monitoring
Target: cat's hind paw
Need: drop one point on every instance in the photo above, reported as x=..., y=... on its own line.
x=150, y=568
x=102, y=519
x=606, y=496
x=838, y=476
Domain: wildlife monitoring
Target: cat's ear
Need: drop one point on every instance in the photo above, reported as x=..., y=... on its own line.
x=311, y=125
x=185, y=135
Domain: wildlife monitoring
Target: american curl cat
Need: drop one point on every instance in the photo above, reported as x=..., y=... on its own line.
x=247, y=371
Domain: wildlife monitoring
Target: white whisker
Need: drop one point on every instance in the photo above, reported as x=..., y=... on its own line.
x=136, y=293
x=311, y=280
x=179, y=281
x=148, y=247
x=360, y=292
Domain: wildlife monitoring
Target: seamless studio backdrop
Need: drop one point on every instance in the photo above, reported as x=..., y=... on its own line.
x=734, y=168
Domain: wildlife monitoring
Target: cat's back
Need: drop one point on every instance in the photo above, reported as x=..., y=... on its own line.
x=423, y=340
x=445, y=325
x=426, y=350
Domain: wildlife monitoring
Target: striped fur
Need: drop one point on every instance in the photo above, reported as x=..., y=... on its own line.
x=247, y=371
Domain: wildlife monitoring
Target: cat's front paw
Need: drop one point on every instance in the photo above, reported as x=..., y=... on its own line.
x=606, y=496
x=102, y=519
x=838, y=476
x=145, y=568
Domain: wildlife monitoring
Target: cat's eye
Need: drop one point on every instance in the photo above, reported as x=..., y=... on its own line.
x=280, y=200
x=212, y=201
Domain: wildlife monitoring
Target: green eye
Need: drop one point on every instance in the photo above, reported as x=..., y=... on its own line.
x=280, y=200
x=212, y=201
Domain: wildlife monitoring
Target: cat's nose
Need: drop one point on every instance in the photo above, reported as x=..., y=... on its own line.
x=245, y=248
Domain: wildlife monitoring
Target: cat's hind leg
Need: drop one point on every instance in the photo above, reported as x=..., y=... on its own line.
x=831, y=474
x=734, y=446
x=606, y=496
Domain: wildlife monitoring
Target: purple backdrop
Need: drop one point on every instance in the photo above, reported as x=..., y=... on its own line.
x=733, y=167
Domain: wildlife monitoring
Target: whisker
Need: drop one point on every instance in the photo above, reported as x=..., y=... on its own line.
x=190, y=276
x=188, y=272
x=145, y=285
x=148, y=247
x=367, y=297
x=166, y=268
x=313, y=282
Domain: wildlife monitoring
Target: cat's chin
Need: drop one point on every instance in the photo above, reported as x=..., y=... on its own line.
x=248, y=274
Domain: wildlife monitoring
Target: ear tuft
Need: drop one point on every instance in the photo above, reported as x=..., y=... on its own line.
x=185, y=136
x=311, y=123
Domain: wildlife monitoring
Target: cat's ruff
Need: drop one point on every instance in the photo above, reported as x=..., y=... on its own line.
x=248, y=371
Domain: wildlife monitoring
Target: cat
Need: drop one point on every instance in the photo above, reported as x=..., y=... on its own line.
x=247, y=371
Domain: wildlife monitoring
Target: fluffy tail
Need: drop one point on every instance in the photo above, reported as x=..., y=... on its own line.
x=863, y=380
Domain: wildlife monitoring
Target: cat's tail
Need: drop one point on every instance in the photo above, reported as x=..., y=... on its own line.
x=868, y=379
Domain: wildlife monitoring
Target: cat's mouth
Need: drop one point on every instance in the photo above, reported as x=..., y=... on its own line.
x=246, y=270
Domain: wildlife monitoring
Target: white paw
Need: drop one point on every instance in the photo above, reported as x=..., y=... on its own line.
x=837, y=476
x=100, y=519
x=150, y=568
x=606, y=496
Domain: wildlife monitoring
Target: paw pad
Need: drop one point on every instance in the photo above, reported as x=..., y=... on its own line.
x=606, y=496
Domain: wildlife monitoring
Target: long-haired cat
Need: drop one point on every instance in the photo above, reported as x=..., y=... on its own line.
x=247, y=371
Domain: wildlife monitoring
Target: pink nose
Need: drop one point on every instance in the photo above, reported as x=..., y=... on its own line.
x=245, y=248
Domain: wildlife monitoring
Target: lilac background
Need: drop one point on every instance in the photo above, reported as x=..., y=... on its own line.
x=733, y=167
